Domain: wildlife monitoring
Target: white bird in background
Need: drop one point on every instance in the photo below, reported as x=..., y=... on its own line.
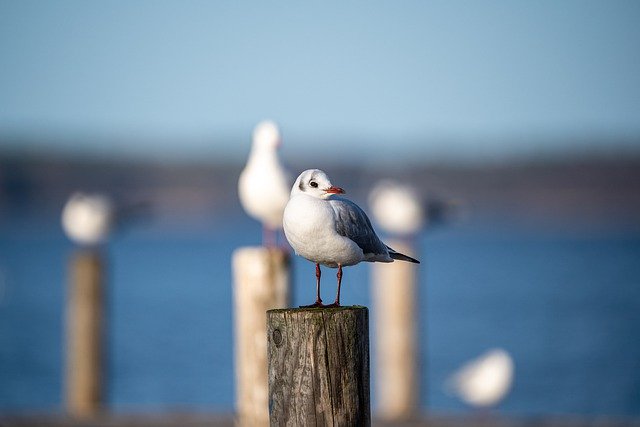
x=397, y=208
x=264, y=183
x=485, y=381
x=87, y=219
x=330, y=230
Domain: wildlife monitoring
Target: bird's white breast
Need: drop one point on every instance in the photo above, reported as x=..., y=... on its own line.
x=263, y=189
x=309, y=225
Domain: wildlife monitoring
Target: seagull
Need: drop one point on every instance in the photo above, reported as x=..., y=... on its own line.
x=330, y=230
x=483, y=382
x=397, y=208
x=87, y=219
x=263, y=187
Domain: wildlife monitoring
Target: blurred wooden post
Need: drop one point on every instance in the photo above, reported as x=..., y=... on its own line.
x=395, y=299
x=85, y=327
x=261, y=282
x=319, y=366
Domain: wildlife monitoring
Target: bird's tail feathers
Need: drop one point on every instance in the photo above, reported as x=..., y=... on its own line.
x=401, y=257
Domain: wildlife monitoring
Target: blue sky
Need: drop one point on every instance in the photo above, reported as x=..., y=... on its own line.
x=191, y=76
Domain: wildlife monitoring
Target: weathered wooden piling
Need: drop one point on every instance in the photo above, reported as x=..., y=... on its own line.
x=85, y=332
x=395, y=296
x=319, y=366
x=261, y=282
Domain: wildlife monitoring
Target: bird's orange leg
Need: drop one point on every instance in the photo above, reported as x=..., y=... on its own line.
x=336, y=303
x=269, y=237
x=318, y=302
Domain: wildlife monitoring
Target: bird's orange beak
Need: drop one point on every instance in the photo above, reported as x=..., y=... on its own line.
x=334, y=190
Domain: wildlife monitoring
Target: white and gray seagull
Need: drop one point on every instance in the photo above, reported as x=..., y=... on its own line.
x=330, y=230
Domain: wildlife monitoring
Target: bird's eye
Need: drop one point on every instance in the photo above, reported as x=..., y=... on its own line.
x=313, y=184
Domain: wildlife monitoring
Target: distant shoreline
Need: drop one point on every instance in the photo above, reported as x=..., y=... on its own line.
x=587, y=189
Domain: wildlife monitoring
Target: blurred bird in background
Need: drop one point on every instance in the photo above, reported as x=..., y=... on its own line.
x=265, y=183
x=401, y=211
x=397, y=208
x=89, y=218
x=485, y=381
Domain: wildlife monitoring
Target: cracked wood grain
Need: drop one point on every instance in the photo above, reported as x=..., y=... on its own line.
x=319, y=366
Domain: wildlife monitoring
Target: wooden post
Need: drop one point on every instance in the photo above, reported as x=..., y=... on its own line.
x=85, y=327
x=395, y=299
x=261, y=282
x=319, y=366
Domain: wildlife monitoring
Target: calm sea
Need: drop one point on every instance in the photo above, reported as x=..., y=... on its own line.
x=564, y=302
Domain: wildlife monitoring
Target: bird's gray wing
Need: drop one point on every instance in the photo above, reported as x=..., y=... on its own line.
x=353, y=223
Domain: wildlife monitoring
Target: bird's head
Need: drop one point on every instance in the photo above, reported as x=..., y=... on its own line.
x=266, y=135
x=315, y=183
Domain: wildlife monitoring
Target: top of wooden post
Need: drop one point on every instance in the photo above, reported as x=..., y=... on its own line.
x=317, y=309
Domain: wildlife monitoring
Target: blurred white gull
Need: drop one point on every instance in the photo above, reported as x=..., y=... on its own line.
x=87, y=219
x=398, y=208
x=331, y=230
x=264, y=183
x=485, y=381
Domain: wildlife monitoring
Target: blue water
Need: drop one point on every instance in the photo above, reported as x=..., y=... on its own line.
x=564, y=303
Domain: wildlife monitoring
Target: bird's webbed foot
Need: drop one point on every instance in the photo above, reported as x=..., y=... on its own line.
x=317, y=304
